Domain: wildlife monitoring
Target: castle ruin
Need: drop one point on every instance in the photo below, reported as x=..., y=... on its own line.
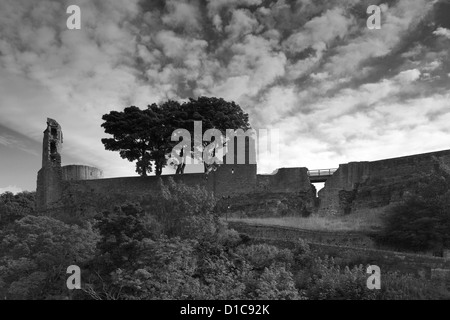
x=288, y=191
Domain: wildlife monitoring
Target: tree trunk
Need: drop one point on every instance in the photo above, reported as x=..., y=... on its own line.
x=180, y=168
x=143, y=167
x=158, y=169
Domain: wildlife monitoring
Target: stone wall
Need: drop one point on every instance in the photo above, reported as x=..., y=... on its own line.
x=359, y=185
x=286, y=192
x=288, y=180
x=129, y=185
x=237, y=188
x=78, y=172
x=49, y=187
x=232, y=180
x=228, y=180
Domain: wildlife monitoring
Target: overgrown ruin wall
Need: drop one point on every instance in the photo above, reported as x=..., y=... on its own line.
x=239, y=190
x=236, y=187
x=286, y=192
x=359, y=185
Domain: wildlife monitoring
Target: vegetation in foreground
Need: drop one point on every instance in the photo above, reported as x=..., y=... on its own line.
x=175, y=248
x=422, y=222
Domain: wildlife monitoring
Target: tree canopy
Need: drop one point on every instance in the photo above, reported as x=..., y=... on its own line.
x=34, y=255
x=16, y=206
x=422, y=222
x=144, y=136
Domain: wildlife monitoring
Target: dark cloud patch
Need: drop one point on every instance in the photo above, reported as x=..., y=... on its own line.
x=442, y=13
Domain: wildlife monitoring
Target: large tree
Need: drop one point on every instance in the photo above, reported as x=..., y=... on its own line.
x=137, y=135
x=144, y=136
x=214, y=113
x=422, y=221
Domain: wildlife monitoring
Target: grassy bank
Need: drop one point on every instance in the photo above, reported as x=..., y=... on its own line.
x=362, y=221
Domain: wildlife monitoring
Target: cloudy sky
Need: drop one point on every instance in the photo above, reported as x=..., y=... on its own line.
x=337, y=91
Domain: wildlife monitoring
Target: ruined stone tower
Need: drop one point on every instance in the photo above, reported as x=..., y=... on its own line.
x=50, y=176
x=53, y=177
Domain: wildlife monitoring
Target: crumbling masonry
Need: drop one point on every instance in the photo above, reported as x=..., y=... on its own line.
x=354, y=186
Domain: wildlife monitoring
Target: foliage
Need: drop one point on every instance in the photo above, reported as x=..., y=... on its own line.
x=122, y=232
x=35, y=253
x=144, y=136
x=214, y=113
x=182, y=210
x=396, y=286
x=173, y=246
x=165, y=271
x=421, y=222
x=275, y=283
x=136, y=134
x=330, y=281
x=262, y=256
x=14, y=207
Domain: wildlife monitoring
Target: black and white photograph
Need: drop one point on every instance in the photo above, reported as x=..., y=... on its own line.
x=219, y=156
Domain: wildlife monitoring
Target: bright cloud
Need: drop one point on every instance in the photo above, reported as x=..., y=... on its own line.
x=13, y=189
x=442, y=32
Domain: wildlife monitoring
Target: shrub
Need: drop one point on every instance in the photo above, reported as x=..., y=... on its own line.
x=14, y=207
x=35, y=253
x=329, y=281
x=396, y=286
x=420, y=223
x=262, y=256
x=122, y=231
x=175, y=204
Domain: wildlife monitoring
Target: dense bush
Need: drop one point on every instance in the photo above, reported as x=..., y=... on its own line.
x=420, y=223
x=262, y=256
x=122, y=232
x=35, y=253
x=16, y=206
x=329, y=281
x=182, y=209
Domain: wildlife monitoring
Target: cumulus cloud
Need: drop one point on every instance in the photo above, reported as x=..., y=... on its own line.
x=442, y=32
x=322, y=29
x=372, y=44
x=182, y=14
x=242, y=22
x=408, y=76
x=254, y=65
x=214, y=6
x=13, y=189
